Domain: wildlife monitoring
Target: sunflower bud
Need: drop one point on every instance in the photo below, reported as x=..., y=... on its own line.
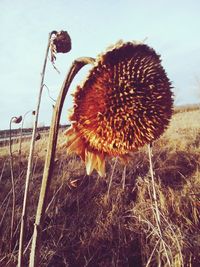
x=38, y=137
x=62, y=42
x=17, y=119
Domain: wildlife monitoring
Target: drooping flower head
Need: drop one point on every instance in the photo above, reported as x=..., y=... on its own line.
x=17, y=119
x=125, y=103
x=60, y=43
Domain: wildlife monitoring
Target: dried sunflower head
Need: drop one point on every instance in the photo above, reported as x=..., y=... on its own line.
x=125, y=103
x=60, y=43
x=17, y=119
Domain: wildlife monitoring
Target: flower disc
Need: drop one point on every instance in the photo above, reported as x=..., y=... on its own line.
x=62, y=42
x=125, y=103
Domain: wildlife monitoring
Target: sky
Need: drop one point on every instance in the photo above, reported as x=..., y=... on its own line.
x=170, y=27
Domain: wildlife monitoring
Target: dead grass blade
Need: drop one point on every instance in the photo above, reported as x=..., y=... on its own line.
x=111, y=177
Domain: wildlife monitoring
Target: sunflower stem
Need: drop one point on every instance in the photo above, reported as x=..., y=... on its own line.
x=30, y=161
x=21, y=134
x=13, y=185
x=49, y=162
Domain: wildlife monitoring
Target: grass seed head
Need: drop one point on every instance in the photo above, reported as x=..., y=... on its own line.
x=125, y=103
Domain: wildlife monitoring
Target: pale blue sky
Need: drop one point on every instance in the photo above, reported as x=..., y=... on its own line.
x=171, y=28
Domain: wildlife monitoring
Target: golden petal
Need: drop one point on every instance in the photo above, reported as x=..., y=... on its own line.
x=74, y=143
x=90, y=161
x=70, y=112
x=76, y=146
x=95, y=160
x=101, y=165
x=71, y=135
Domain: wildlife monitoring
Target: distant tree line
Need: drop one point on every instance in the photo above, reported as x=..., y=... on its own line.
x=26, y=131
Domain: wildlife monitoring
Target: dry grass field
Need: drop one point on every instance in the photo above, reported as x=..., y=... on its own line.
x=88, y=223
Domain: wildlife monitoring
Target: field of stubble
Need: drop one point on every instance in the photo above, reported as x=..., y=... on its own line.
x=88, y=225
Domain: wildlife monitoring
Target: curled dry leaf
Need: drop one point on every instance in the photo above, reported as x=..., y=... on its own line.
x=124, y=103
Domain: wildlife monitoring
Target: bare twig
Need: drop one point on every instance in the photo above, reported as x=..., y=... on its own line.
x=48, y=168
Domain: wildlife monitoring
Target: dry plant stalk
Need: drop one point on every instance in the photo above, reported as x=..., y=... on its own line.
x=155, y=205
x=111, y=177
x=13, y=188
x=21, y=132
x=14, y=120
x=30, y=160
x=49, y=162
x=124, y=178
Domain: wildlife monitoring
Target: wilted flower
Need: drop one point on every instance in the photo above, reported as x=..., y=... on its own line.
x=60, y=43
x=17, y=119
x=38, y=137
x=125, y=103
